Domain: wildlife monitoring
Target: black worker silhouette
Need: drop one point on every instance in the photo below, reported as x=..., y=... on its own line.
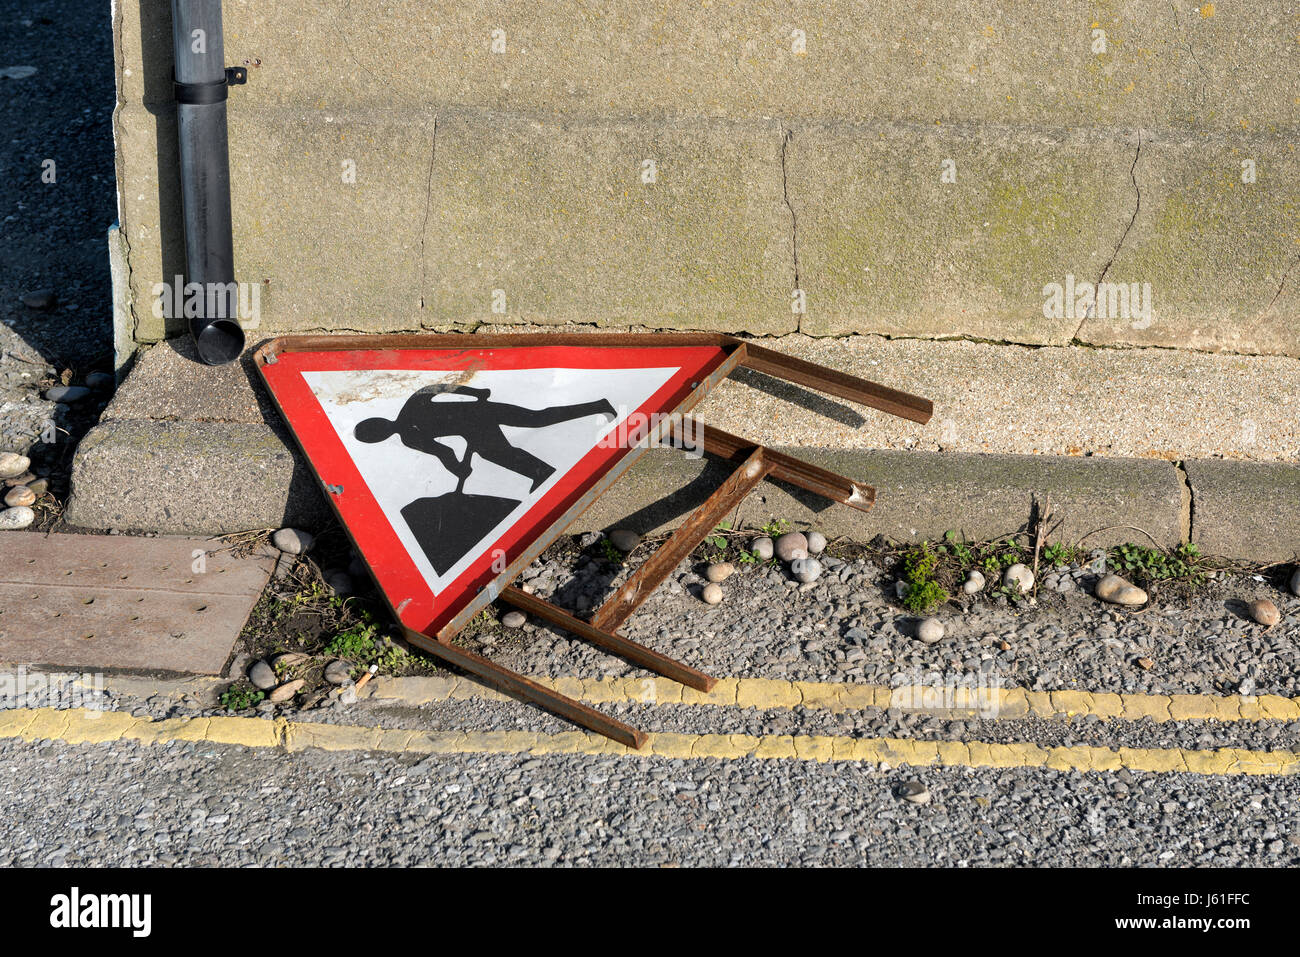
x=449, y=525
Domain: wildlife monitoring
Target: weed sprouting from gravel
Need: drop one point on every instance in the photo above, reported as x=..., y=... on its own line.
x=363, y=643
x=300, y=615
x=610, y=553
x=1154, y=565
x=923, y=591
x=1059, y=555
x=240, y=696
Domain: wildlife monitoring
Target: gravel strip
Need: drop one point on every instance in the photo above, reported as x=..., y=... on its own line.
x=482, y=715
x=847, y=626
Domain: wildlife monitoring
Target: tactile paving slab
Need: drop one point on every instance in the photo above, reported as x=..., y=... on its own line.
x=120, y=602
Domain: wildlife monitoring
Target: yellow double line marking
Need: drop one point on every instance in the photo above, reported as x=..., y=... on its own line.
x=81, y=726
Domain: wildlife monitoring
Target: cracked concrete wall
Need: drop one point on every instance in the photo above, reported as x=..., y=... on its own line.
x=917, y=171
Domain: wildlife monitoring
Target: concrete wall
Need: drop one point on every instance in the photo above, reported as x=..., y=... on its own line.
x=776, y=166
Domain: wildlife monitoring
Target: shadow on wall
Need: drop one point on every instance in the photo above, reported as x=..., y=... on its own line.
x=159, y=100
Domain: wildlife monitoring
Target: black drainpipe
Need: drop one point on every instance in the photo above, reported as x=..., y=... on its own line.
x=201, y=86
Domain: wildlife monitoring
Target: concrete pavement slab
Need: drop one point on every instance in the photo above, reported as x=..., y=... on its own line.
x=112, y=602
x=1135, y=403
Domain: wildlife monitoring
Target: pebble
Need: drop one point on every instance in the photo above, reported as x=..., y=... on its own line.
x=25, y=479
x=712, y=593
x=294, y=541
x=1117, y=591
x=1295, y=583
x=806, y=569
x=930, y=630
x=816, y=543
x=17, y=517
x=624, y=539
x=20, y=495
x=262, y=676
x=792, y=545
x=338, y=672
x=101, y=380
x=67, y=393
x=11, y=464
x=1146, y=664
x=514, y=619
x=719, y=572
x=42, y=299
x=914, y=792
x=1019, y=576
x=289, y=659
x=1264, y=612
x=38, y=487
x=975, y=583
x=764, y=549
x=286, y=690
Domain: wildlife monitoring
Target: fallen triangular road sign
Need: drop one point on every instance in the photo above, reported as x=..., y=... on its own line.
x=445, y=464
x=453, y=461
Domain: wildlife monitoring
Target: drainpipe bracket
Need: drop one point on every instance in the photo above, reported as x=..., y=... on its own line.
x=203, y=93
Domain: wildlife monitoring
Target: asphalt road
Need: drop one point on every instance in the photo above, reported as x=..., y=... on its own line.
x=55, y=232
x=212, y=805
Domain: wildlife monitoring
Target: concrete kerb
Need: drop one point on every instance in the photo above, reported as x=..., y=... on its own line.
x=177, y=454
x=216, y=478
x=1245, y=509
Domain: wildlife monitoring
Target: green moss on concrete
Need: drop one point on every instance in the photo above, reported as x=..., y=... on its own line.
x=887, y=247
x=1214, y=249
x=556, y=216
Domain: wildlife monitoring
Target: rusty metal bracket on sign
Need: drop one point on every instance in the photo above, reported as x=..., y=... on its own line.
x=432, y=624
